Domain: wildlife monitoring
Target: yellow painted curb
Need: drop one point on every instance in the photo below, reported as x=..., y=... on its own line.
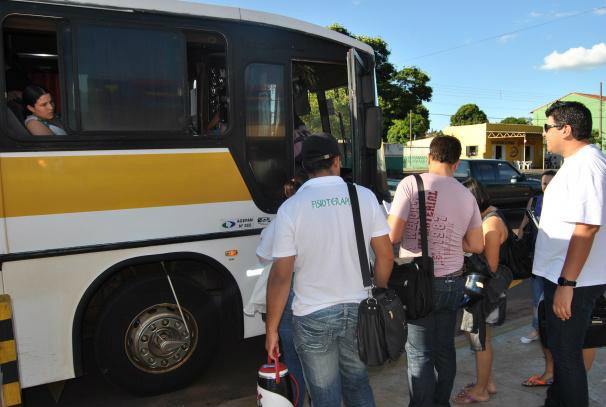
x=11, y=388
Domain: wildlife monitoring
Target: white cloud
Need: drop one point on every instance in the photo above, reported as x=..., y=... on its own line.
x=600, y=11
x=576, y=58
x=504, y=39
x=535, y=14
x=565, y=14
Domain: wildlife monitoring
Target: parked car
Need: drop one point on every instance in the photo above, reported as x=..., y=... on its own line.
x=508, y=187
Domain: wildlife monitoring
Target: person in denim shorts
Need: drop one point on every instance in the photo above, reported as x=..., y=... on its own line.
x=455, y=226
x=315, y=236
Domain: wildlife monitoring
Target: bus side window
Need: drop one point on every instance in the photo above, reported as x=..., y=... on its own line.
x=31, y=58
x=207, y=83
x=130, y=79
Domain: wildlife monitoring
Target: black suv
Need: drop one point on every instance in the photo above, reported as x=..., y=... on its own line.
x=508, y=188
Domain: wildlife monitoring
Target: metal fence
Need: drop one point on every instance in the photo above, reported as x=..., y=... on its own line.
x=415, y=162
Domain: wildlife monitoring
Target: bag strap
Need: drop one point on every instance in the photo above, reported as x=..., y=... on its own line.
x=491, y=214
x=423, y=221
x=355, y=208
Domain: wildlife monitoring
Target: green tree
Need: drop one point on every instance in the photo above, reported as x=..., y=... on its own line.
x=434, y=133
x=383, y=68
x=406, y=91
x=400, y=91
x=399, y=132
x=339, y=118
x=468, y=114
x=516, y=120
x=595, y=138
x=340, y=29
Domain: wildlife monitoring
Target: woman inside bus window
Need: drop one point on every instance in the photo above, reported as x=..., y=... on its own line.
x=41, y=120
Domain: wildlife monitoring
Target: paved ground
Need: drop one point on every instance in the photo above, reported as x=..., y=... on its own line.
x=513, y=363
x=230, y=380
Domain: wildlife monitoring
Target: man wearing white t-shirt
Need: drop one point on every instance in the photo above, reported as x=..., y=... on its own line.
x=315, y=236
x=569, y=252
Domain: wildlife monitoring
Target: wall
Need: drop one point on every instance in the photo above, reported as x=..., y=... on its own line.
x=394, y=161
x=470, y=135
x=415, y=153
x=513, y=147
x=593, y=104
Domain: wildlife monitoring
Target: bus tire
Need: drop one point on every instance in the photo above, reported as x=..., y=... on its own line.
x=141, y=343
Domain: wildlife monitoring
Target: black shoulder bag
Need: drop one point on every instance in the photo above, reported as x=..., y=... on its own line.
x=382, y=329
x=414, y=281
x=519, y=253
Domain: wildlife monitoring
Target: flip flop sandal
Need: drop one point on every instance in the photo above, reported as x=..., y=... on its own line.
x=465, y=398
x=536, y=381
x=470, y=385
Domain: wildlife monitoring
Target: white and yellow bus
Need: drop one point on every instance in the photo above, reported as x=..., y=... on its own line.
x=134, y=235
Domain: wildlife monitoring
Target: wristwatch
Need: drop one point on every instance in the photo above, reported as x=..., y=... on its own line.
x=562, y=282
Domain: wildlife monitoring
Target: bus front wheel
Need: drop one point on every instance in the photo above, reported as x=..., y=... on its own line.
x=144, y=345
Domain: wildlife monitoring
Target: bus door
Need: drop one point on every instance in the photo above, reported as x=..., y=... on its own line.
x=321, y=105
x=366, y=121
x=266, y=118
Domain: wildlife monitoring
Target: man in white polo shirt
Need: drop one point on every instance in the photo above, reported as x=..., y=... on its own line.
x=314, y=236
x=569, y=253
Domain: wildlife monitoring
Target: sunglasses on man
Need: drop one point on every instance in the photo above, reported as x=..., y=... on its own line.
x=547, y=127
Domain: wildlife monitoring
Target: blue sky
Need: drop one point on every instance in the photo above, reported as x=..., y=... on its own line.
x=507, y=57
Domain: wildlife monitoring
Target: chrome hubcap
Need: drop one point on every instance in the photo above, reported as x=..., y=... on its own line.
x=157, y=340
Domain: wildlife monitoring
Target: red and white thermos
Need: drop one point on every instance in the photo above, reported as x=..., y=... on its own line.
x=274, y=386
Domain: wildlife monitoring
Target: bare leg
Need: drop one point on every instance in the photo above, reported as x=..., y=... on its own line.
x=589, y=357
x=484, y=383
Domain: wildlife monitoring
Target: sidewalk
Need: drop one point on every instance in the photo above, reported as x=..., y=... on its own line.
x=513, y=362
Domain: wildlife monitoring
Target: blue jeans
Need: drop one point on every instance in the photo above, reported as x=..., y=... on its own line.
x=431, y=346
x=285, y=330
x=537, y=294
x=565, y=341
x=327, y=344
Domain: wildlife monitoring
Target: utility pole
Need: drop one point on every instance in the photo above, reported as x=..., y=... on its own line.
x=410, y=137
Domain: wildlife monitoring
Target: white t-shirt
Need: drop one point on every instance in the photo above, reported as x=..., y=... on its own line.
x=577, y=194
x=56, y=130
x=266, y=243
x=316, y=226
